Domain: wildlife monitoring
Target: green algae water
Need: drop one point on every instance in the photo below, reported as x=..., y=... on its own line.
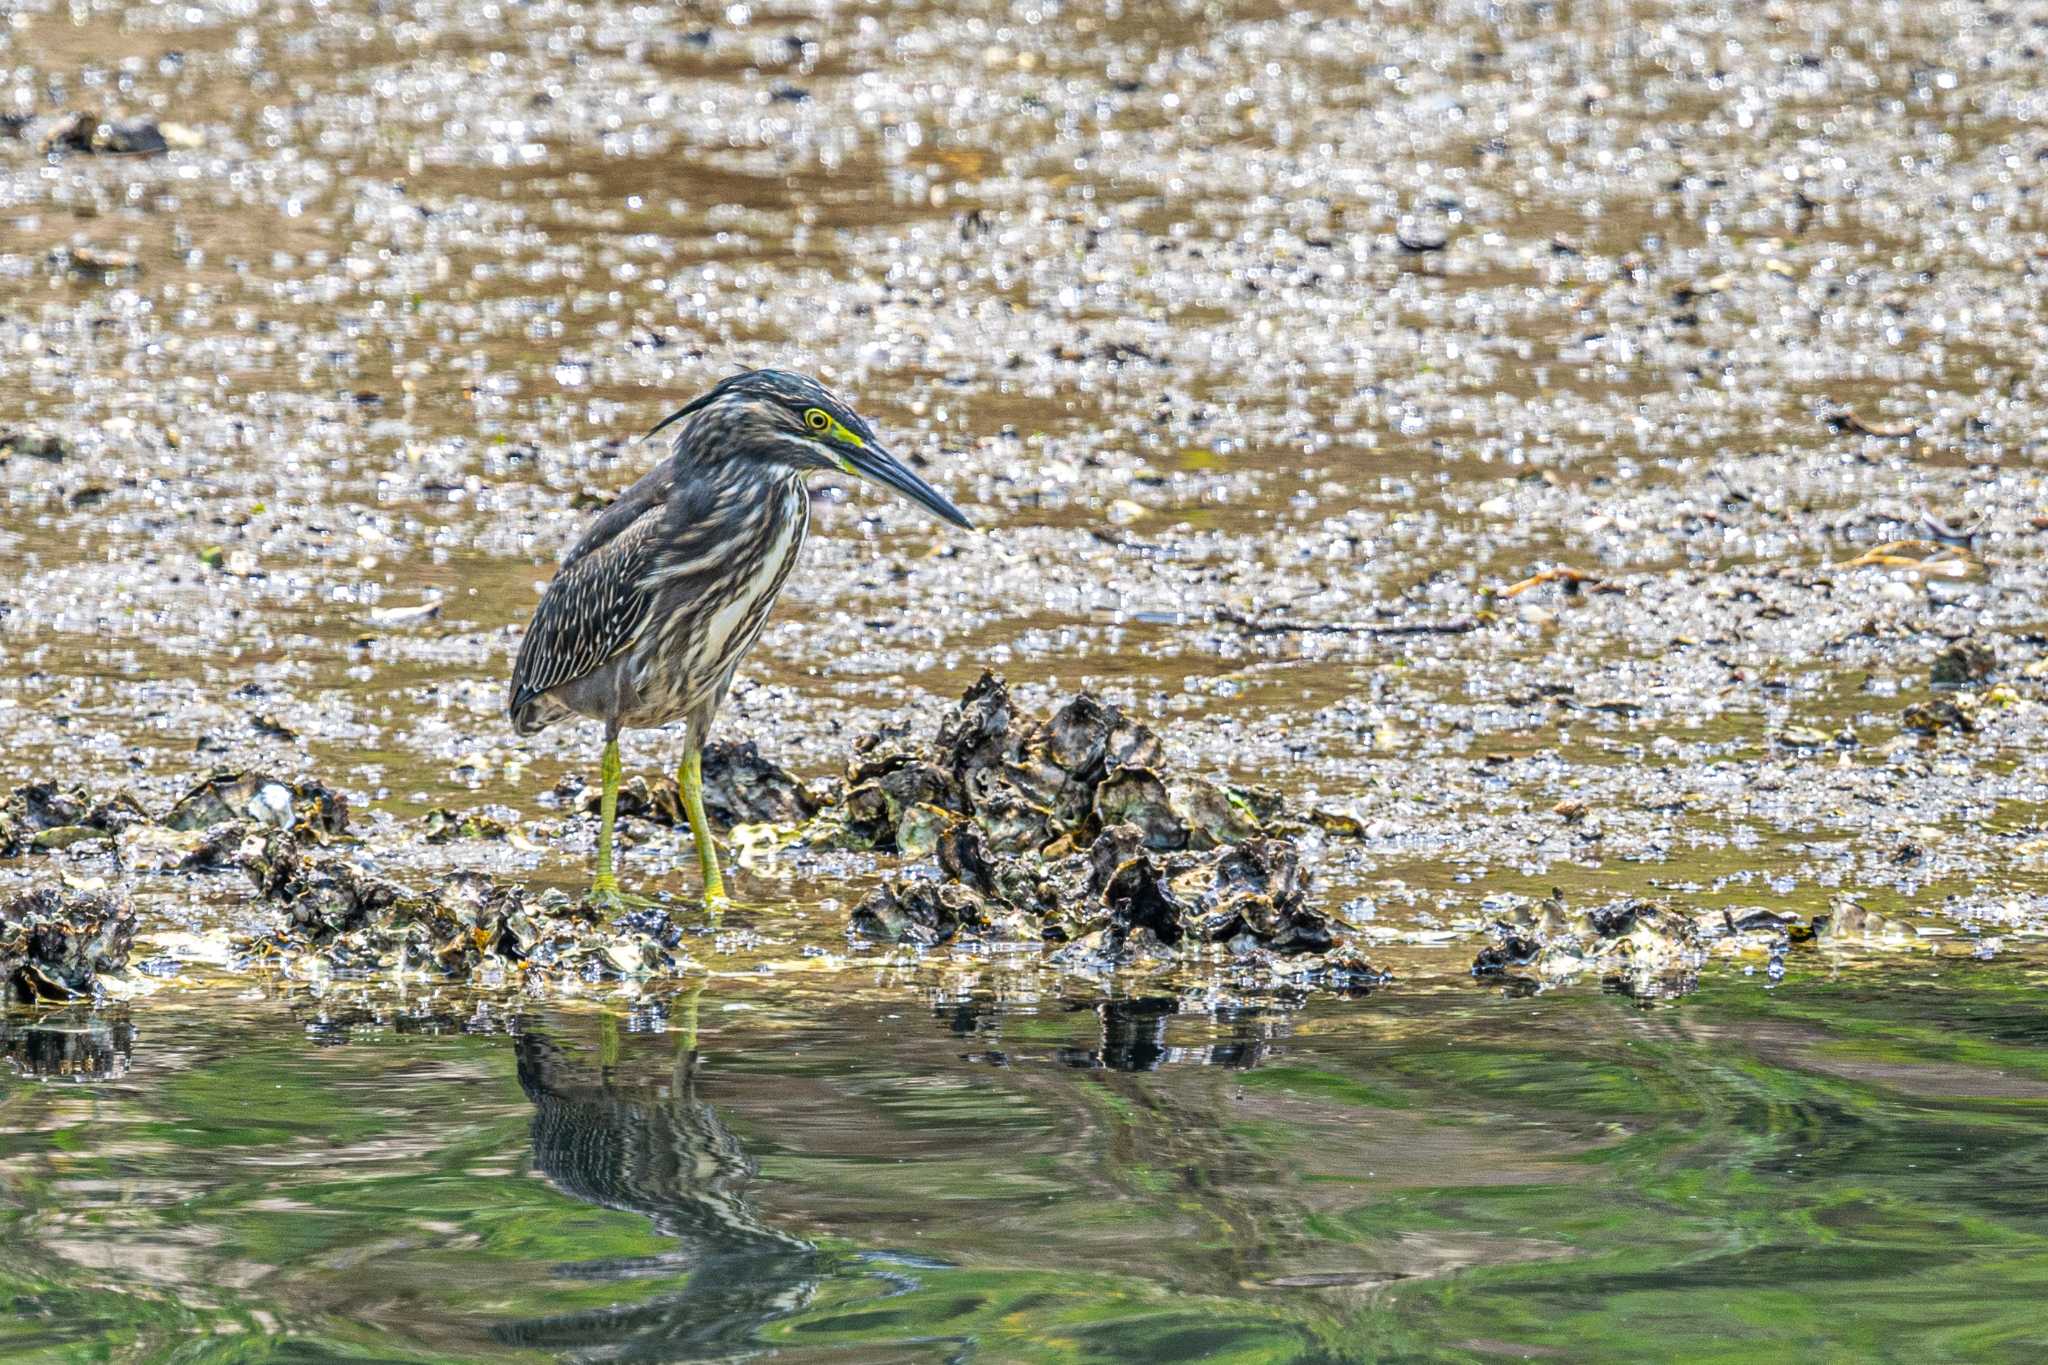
x=1841, y=1166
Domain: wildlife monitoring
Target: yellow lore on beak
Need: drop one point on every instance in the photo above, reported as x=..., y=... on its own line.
x=839, y=433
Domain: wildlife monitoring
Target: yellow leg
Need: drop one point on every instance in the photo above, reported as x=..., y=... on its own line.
x=687, y=1034
x=690, y=781
x=607, y=884
x=685, y=1069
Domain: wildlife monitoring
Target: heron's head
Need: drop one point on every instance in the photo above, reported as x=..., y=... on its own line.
x=791, y=421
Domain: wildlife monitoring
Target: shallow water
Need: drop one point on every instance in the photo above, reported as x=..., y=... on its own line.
x=1841, y=1167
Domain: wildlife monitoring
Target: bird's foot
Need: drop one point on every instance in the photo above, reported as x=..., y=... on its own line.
x=720, y=902
x=715, y=898
x=605, y=897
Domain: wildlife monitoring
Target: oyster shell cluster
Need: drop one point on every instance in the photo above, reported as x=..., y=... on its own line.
x=1654, y=950
x=55, y=942
x=1069, y=829
x=333, y=910
x=469, y=926
x=1645, y=948
x=205, y=829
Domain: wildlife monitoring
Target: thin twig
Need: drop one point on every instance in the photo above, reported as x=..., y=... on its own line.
x=1937, y=559
x=1282, y=626
x=1561, y=573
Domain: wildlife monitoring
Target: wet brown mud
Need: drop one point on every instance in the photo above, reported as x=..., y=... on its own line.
x=1289, y=355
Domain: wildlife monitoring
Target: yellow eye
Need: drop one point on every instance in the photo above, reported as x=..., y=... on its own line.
x=817, y=419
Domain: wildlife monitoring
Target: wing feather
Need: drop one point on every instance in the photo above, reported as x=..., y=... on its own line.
x=656, y=544
x=593, y=611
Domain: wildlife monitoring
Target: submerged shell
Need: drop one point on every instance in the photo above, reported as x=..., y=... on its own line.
x=441, y=825
x=152, y=848
x=1644, y=948
x=37, y=806
x=1962, y=663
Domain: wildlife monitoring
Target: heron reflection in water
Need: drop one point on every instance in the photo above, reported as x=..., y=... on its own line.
x=652, y=1145
x=74, y=1044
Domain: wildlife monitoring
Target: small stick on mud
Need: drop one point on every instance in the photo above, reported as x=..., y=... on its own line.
x=1463, y=625
x=1940, y=559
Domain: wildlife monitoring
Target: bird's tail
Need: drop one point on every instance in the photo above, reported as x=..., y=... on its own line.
x=531, y=715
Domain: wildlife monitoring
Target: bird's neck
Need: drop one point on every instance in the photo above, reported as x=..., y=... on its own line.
x=762, y=493
x=740, y=477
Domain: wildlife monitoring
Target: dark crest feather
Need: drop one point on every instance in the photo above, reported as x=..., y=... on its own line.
x=701, y=401
x=780, y=385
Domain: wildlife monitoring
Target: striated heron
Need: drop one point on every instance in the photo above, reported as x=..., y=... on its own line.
x=651, y=610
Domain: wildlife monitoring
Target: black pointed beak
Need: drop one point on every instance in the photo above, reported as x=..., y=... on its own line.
x=885, y=469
